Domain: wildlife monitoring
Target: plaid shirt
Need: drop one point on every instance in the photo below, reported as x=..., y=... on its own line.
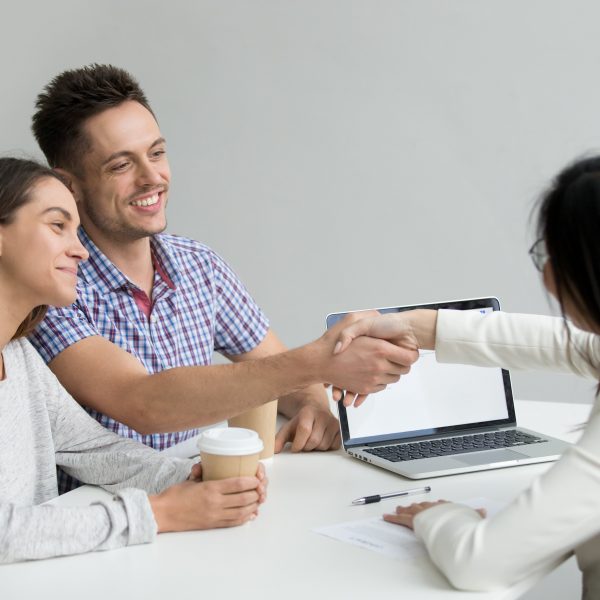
x=198, y=305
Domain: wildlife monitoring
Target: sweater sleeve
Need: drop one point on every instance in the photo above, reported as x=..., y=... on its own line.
x=516, y=341
x=94, y=455
x=66, y=435
x=555, y=515
x=34, y=532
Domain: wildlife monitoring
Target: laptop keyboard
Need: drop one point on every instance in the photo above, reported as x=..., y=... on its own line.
x=508, y=438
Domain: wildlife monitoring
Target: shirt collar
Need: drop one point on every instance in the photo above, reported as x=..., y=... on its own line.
x=100, y=272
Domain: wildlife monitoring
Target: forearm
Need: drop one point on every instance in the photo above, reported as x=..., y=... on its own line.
x=90, y=453
x=186, y=397
x=480, y=554
x=516, y=341
x=35, y=532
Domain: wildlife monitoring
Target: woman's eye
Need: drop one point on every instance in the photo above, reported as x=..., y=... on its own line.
x=58, y=225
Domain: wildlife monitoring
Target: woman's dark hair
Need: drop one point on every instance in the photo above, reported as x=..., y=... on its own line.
x=17, y=179
x=569, y=222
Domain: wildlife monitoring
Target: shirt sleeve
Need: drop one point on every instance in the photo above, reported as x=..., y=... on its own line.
x=61, y=328
x=558, y=513
x=240, y=323
x=516, y=341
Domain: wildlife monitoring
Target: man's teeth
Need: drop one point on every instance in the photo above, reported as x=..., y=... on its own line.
x=147, y=202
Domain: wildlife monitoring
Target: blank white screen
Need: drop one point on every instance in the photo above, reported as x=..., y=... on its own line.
x=432, y=395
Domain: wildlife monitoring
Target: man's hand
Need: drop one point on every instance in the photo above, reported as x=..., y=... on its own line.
x=312, y=428
x=193, y=504
x=396, y=328
x=405, y=515
x=364, y=364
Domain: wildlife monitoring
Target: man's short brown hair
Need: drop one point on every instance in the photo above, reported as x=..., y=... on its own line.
x=69, y=100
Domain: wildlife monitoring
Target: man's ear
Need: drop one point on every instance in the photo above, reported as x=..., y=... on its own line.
x=70, y=181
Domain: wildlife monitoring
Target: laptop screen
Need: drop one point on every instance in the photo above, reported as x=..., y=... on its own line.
x=434, y=397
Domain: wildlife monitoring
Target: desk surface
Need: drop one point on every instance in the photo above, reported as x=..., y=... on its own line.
x=279, y=556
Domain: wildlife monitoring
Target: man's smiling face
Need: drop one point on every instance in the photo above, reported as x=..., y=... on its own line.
x=123, y=183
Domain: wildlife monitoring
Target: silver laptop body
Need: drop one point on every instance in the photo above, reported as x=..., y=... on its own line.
x=443, y=419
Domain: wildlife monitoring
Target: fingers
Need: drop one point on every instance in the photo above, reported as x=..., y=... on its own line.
x=235, y=485
x=309, y=432
x=405, y=515
x=240, y=500
x=284, y=435
x=403, y=519
x=349, y=398
x=331, y=438
x=238, y=516
x=360, y=399
x=337, y=394
x=196, y=472
x=350, y=333
x=313, y=428
x=399, y=356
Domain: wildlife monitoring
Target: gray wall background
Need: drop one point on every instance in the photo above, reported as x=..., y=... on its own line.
x=344, y=154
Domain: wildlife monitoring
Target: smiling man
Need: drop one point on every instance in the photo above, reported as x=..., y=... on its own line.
x=136, y=347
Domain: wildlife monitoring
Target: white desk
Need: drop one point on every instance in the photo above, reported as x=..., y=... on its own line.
x=278, y=556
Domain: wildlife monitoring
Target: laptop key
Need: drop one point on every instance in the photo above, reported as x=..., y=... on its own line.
x=455, y=445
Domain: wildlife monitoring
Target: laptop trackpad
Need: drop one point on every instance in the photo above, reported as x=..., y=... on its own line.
x=486, y=458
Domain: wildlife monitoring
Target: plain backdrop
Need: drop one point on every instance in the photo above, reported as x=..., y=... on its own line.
x=344, y=154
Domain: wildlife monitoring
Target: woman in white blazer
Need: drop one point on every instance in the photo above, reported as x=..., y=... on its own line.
x=560, y=512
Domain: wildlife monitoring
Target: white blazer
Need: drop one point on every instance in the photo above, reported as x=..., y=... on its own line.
x=549, y=520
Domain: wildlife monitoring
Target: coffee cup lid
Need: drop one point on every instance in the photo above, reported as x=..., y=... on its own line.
x=230, y=441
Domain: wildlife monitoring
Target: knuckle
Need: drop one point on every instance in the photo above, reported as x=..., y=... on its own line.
x=304, y=427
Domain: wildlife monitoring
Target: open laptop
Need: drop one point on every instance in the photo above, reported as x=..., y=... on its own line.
x=443, y=419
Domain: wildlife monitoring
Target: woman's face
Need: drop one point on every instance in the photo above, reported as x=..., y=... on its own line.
x=40, y=250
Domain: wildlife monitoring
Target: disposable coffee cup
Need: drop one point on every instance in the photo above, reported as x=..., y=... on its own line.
x=263, y=420
x=229, y=452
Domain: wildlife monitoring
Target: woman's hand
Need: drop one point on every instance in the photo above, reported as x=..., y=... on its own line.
x=405, y=515
x=195, y=504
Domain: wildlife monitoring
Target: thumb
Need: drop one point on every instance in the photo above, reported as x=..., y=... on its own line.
x=196, y=472
x=350, y=333
x=284, y=435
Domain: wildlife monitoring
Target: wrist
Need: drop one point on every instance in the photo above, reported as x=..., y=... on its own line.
x=309, y=360
x=423, y=324
x=159, y=506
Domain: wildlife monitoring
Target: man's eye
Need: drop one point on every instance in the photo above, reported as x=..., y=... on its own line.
x=158, y=153
x=120, y=166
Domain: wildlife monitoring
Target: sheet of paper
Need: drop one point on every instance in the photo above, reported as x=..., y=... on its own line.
x=386, y=538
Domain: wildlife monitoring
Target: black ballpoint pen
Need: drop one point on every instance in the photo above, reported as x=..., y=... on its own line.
x=379, y=497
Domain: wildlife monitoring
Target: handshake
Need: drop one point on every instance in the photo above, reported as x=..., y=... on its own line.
x=368, y=351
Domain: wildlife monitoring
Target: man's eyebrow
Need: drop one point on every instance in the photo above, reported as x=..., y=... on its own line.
x=65, y=213
x=160, y=140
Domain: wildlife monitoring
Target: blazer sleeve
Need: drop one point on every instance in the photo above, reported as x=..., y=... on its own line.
x=558, y=513
x=516, y=341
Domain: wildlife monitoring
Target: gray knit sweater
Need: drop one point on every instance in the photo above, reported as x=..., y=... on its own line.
x=41, y=426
